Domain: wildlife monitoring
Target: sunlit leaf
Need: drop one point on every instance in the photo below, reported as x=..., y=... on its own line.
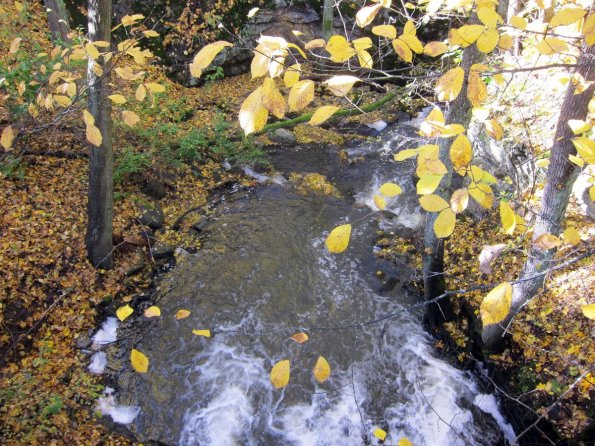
x=339, y=49
x=300, y=95
x=338, y=240
x=182, y=314
x=390, y=190
x=152, y=311
x=365, y=15
x=488, y=41
x=507, y=218
x=204, y=333
x=253, y=114
x=505, y=43
x=469, y=34
x=402, y=50
x=488, y=16
x=155, y=88
x=576, y=160
x=130, y=118
x=280, y=374
x=93, y=135
x=567, y=16
x=379, y=201
x=585, y=148
x=589, y=311
x=428, y=183
x=292, y=75
x=322, y=114
x=494, y=129
x=460, y=152
x=571, y=236
x=495, y=306
x=300, y=338
x=8, y=137
x=117, y=99
x=433, y=203
x=547, y=241
x=477, y=92
x=413, y=43
x=253, y=12
x=518, y=22
x=92, y=51
x=148, y=33
x=589, y=29
x=322, y=370
x=445, y=223
x=140, y=363
x=459, y=200
x=124, y=311
x=365, y=59
x=449, y=84
x=406, y=154
x=404, y=442
x=578, y=126
x=340, y=85
x=552, y=45
x=379, y=433
x=434, y=49
x=488, y=255
x=272, y=99
x=205, y=56
x=388, y=31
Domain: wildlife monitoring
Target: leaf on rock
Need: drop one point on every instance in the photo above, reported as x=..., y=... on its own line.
x=390, y=190
x=124, y=311
x=182, y=314
x=204, y=333
x=139, y=361
x=379, y=202
x=322, y=370
x=152, y=311
x=338, y=240
x=300, y=338
x=379, y=433
x=280, y=374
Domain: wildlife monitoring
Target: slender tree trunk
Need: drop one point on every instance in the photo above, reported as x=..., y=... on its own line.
x=561, y=175
x=327, y=18
x=100, y=208
x=57, y=20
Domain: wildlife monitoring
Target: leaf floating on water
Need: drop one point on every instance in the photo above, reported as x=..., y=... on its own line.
x=152, y=312
x=379, y=433
x=182, y=314
x=338, y=240
x=300, y=338
x=205, y=333
x=139, y=361
x=404, y=442
x=280, y=374
x=124, y=312
x=322, y=370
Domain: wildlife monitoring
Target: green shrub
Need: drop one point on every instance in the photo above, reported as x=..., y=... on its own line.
x=129, y=162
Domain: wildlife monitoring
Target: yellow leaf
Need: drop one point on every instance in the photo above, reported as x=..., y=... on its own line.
x=300, y=95
x=542, y=163
x=365, y=15
x=92, y=51
x=402, y=50
x=477, y=92
x=300, y=338
x=322, y=370
x=507, y=218
x=388, y=31
x=206, y=55
x=152, y=311
x=390, y=190
x=253, y=114
x=140, y=363
x=567, y=16
x=436, y=115
x=494, y=129
x=436, y=166
x=552, y=45
x=322, y=114
x=428, y=183
x=459, y=200
x=488, y=41
x=316, y=43
x=88, y=118
x=182, y=314
x=589, y=311
x=128, y=20
x=204, y=333
x=124, y=311
x=339, y=49
x=379, y=433
x=94, y=135
x=260, y=62
x=292, y=75
x=338, y=240
x=277, y=63
x=280, y=374
x=63, y=101
x=252, y=12
x=578, y=126
x=449, y=84
x=585, y=148
x=434, y=49
x=547, y=241
x=505, y=43
x=130, y=118
x=362, y=43
x=272, y=99
x=155, y=88
x=518, y=22
x=8, y=137
x=117, y=99
x=14, y=45
x=592, y=193
x=476, y=173
x=571, y=236
x=365, y=59
x=495, y=306
x=340, y=85
x=379, y=202
x=433, y=203
x=412, y=42
x=468, y=34
x=589, y=29
x=18, y=6
x=409, y=29
x=460, y=152
x=488, y=16
x=406, y=154
x=404, y=442
x=141, y=93
x=150, y=33
x=445, y=223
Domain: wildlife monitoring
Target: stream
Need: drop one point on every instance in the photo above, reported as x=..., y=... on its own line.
x=263, y=275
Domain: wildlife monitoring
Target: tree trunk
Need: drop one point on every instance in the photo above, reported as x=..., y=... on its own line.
x=57, y=20
x=560, y=177
x=100, y=209
x=328, y=18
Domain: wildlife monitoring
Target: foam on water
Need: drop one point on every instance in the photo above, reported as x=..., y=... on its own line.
x=106, y=334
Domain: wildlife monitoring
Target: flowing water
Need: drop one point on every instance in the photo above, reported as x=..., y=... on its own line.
x=263, y=275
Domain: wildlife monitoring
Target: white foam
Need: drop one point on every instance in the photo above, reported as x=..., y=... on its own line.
x=379, y=125
x=488, y=404
x=98, y=363
x=106, y=334
x=120, y=414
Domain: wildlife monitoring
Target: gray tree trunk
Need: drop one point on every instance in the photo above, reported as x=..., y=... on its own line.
x=328, y=18
x=560, y=177
x=100, y=209
x=57, y=20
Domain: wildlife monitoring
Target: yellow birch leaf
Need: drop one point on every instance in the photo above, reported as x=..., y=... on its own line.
x=93, y=135
x=436, y=115
x=150, y=33
x=459, y=200
x=521, y=226
x=552, y=45
x=388, y=31
x=88, y=117
x=253, y=115
x=140, y=363
x=390, y=190
x=340, y=85
x=402, y=50
x=589, y=311
x=589, y=29
x=488, y=41
x=300, y=338
x=92, y=51
x=406, y=154
x=316, y=43
x=592, y=193
x=8, y=137
x=365, y=59
x=477, y=92
x=409, y=29
x=460, y=152
x=379, y=433
x=495, y=306
x=578, y=126
x=567, y=16
x=436, y=166
x=547, y=242
x=292, y=75
x=585, y=147
x=124, y=311
x=476, y=173
x=338, y=240
x=434, y=49
x=433, y=203
x=428, y=184
x=300, y=95
x=505, y=43
x=182, y=314
x=362, y=43
x=204, y=333
x=542, y=163
x=272, y=99
x=322, y=370
x=518, y=22
x=494, y=129
x=339, y=49
x=488, y=16
x=404, y=442
x=61, y=100
x=277, y=63
x=14, y=45
x=155, y=88
x=571, y=236
x=413, y=43
x=379, y=202
x=141, y=93
x=260, y=62
x=280, y=374
x=205, y=56
x=365, y=15
x=152, y=311
x=507, y=218
x=468, y=34
x=117, y=99
x=445, y=223
x=449, y=84
x=130, y=118
x=322, y=114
